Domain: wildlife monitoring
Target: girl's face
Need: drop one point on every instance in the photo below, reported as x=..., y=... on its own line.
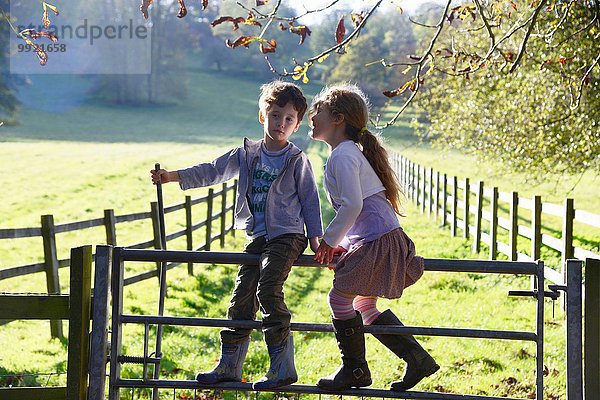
x=322, y=123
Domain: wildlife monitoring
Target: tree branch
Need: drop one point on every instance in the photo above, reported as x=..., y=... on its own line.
x=582, y=81
x=585, y=28
x=271, y=17
x=310, y=62
x=350, y=37
x=533, y=19
x=422, y=24
x=288, y=19
x=486, y=23
x=550, y=34
x=422, y=61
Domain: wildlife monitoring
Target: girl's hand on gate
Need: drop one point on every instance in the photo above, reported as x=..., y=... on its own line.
x=324, y=254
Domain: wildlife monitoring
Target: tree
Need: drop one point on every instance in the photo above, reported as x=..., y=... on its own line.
x=541, y=118
x=167, y=81
x=537, y=60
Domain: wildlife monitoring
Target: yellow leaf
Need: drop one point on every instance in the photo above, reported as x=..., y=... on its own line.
x=305, y=79
x=407, y=69
x=50, y=6
x=323, y=58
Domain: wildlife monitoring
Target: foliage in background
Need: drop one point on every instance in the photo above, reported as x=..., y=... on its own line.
x=389, y=34
x=544, y=117
x=168, y=81
x=512, y=80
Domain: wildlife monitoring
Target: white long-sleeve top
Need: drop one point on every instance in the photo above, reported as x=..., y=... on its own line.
x=349, y=179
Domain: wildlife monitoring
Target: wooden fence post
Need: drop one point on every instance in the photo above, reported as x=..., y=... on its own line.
x=400, y=171
x=567, y=234
x=156, y=232
x=574, y=328
x=51, y=268
x=437, y=195
x=189, y=237
x=209, y=216
x=405, y=178
x=116, y=337
x=454, y=205
x=412, y=181
x=514, y=225
x=80, y=301
x=223, y=211
x=445, y=201
x=592, y=329
x=110, y=223
x=409, y=175
x=418, y=185
x=233, y=208
x=430, y=192
x=478, y=214
x=424, y=190
x=536, y=228
x=494, y=225
x=467, y=194
x=99, y=338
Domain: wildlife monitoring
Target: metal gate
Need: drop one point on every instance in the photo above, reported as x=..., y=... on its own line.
x=110, y=267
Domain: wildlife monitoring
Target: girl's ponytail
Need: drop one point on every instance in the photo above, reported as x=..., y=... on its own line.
x=377, y=156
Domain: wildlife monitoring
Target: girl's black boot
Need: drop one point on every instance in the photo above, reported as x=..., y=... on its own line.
x=354, y=371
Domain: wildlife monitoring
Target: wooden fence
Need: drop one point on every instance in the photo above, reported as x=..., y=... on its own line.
x=460, y=205
x=49, y=231
x=74, y=307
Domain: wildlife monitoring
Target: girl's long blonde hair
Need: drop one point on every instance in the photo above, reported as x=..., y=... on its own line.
x=351, y=102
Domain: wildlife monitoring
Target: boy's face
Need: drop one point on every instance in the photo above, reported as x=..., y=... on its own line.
x=279, y=124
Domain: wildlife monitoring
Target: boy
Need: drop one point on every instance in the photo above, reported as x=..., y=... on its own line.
x=276, y=197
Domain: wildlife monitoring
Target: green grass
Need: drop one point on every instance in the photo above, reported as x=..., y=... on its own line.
x=438, y=299
x=89, y=158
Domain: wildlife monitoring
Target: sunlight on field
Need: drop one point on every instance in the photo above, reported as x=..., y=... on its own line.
x=78, y=179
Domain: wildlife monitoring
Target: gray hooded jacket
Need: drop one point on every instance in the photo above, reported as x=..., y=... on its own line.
x=292, y=200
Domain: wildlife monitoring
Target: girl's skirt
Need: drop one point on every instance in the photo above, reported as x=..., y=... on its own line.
x=382, y=268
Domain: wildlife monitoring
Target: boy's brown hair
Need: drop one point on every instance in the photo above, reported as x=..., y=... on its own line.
x=280, y=93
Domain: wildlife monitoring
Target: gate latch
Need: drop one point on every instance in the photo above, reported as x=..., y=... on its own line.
x=552, y=293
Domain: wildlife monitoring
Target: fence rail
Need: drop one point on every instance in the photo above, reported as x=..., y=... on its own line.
x=49, y=230
x=464, y=205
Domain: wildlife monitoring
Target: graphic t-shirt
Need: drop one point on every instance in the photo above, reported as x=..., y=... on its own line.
x=267, y=170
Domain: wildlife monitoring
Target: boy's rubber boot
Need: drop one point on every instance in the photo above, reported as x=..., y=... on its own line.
x=282, y=371
x=229, y=368
x=354, y=371
x=419, y=364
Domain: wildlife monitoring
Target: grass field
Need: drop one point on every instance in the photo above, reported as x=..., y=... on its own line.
x=87, y=158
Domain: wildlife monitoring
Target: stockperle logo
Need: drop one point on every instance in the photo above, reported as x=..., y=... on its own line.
x=79, y=43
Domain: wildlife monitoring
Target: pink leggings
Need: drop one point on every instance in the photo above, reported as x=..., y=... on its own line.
x=344, y=306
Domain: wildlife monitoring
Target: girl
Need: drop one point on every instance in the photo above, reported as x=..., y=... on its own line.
x=378, y=258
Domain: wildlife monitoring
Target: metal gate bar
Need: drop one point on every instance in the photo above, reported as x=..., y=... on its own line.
x=314, y=327
x=304, y=389
x=431, y=264
x=477, y=266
